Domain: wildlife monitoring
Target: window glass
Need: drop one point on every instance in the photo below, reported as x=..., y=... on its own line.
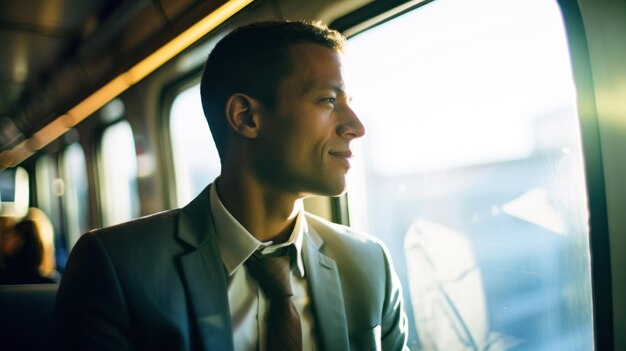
x=196, y=162
x=76, y=201
x=45, y=174
x=14, y=192
x=471, y=172
x=49, y=190
x=120, y=198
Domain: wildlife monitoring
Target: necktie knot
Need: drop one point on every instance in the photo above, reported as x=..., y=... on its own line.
x=272, y=274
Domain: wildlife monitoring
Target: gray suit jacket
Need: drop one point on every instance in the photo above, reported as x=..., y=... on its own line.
x=159, y=283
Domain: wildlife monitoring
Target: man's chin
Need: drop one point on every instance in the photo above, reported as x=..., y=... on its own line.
x=331, y=190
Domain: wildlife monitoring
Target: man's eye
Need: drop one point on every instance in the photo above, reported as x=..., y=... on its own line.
x=330, y=100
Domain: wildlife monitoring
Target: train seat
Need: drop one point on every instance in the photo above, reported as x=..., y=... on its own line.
x=26, y=316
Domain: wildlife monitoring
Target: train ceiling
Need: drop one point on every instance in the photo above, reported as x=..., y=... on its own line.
x=55, y=53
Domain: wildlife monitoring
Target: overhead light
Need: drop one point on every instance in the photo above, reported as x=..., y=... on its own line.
x=119, y=84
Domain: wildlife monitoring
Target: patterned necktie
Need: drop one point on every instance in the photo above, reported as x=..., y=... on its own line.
x=284, y=332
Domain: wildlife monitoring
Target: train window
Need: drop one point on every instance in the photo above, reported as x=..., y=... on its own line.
x=44, y=175
x=49, y=190
x=195, y=157
x=14, y=192
x=120, y=197
x=75, y=198
x=472, y=173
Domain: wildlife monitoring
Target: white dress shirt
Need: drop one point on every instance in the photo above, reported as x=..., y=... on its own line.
x=247, y=302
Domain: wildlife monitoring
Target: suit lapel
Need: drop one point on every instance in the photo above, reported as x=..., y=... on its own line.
x=204, y=276
x=326, y=294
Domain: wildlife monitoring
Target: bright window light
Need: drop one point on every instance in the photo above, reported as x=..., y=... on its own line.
x=471, y=171
x=196, y=161
x=119, y=170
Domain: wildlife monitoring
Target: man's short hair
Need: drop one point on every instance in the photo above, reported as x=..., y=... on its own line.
x=252, y=60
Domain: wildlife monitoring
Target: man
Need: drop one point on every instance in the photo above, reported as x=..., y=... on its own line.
x=275, y=99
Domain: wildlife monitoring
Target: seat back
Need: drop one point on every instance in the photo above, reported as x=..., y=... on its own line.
x=26, y=316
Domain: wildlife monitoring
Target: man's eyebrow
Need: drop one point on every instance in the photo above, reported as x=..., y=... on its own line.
x=339, y=89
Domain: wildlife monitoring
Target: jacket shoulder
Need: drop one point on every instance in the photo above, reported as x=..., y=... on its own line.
x=144, y=232
x=333, y=234
x=151, y=223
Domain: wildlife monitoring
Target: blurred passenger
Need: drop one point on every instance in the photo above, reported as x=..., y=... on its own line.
x=243, y=266
x=46, y=235
x=27, y=251
x=6, y=226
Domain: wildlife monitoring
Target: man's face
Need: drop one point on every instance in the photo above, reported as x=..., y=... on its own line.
x=304, y=141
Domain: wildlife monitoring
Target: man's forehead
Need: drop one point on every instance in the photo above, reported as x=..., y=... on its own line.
x=317, y=67
x=311, y=56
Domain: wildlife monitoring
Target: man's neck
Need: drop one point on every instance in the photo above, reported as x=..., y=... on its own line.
x=266, y=214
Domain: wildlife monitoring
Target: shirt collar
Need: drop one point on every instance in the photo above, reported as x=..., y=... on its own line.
x=236, y=244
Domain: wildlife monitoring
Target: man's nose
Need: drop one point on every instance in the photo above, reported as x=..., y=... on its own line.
x=351, y=126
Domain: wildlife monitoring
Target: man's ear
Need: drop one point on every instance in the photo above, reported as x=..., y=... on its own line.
x=242, y=115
